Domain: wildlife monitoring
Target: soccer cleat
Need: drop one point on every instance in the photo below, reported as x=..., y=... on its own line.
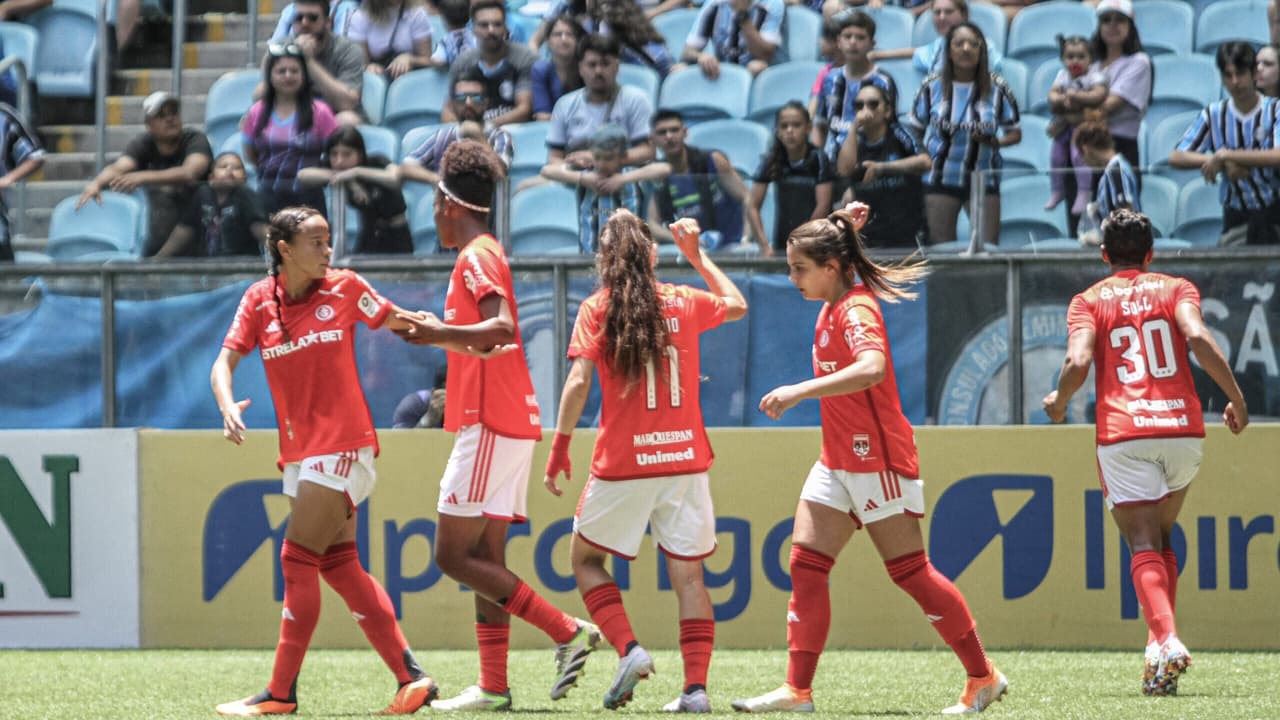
x=1174, y=660
x=692, y=702
x=1151, y=666
x=411, y=696
x=571, y=657
x=475, y=699
x=979, y=693
x=633, y=667
x=784, y=699
x=260, y=704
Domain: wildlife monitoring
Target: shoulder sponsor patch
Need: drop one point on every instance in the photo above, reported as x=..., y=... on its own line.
x=368, y=305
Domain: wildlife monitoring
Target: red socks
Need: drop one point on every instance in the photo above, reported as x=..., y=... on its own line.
x=1171, y=570
x=604, y=603
x=1151, y=583
x=493, y=640
x=808, y=614
x=301, y=569
x=943, y=604
x=697, y=635
x=531, y=607
x=369, y=604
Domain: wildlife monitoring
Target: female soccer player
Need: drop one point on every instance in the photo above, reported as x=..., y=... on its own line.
x=641, y=336
x=491, y=406
x=867, y=473
x=303, y=317
x=1136, y=325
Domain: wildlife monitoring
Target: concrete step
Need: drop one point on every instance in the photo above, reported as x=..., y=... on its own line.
x=221, y=55
x=66, y=166
x=145, y=82
x=48, y=193
x=230, y=27
x=36, y=226
x=127, y=109
x=82, y=139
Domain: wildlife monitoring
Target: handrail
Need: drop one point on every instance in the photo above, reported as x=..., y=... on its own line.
x=253, y=34
x=18, y=219
x=100, y=90
x=179, y=40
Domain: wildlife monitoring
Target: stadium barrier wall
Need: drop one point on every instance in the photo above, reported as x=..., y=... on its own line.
x=69, y=543
x=1014, y=515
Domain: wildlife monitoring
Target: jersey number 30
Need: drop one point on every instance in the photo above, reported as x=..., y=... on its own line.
x=673, y=380
x=1148, y=350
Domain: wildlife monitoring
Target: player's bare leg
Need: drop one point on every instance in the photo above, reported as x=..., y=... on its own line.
x=1148, y=528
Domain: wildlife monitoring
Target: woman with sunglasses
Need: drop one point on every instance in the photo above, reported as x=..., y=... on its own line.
x=884, y=162
x=286, y=131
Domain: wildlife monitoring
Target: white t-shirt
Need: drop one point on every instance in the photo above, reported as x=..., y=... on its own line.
x=398, y=34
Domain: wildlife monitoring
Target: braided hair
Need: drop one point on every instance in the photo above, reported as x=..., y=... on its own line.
x=834, y=238
x=284, y=225
x=634, y=330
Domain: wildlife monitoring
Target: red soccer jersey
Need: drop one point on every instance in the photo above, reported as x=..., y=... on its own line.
x=311, y=366
x=497, y=392
x=1142, y=375
x=654, y=427
x=864, y=431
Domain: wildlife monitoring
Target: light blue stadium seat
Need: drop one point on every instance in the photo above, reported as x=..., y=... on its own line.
x=1168, y=244
x=1163, y=140
x=1038, y=87
x=21, y=41
x=1034, y=30
x=1191, y=77
x=544, y=220
x=1232, y=20
x=1160, y=203
x=894, y=26
x=112, y=226
x=529, y=146
x=373, y=96
x=987, y=16
x=65, y=68
x=1199, y=214
x=1162, y=108
x=1014, y=73
x=642, y=77
x=907, y=79
x=414, y=99
x=801, y=28
x=742, y=141
x=380, y=141
x=1164, y=25
x=422, y=224
x=700, y=98
x=780, y=84
x=228, y=100
x=1023, y=218
x=1033, y=152
x=674, y=27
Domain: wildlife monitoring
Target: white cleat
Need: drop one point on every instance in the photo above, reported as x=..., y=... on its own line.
x=474, y=699
x=784, y=699
x=635, y=666
x=980, y=693
x=694, y=702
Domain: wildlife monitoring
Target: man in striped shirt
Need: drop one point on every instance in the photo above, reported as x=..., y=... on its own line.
x=470, y=101
x=20, y=155
x=741, y=32
x=1236, y=138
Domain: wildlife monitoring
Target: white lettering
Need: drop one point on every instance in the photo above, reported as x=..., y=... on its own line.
x=1146, y=421
x=828, y=366
x=296, y=344
x=1157, y=405
x=1136, y=307
x=662, y=458
x=1257, y=345
x=662, y=437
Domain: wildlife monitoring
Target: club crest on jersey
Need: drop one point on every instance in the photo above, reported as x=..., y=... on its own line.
x=824, y=339
x=862, y=445
x=324, y=313
x=368, y=305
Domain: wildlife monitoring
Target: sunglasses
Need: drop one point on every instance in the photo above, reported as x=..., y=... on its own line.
x=284, y=50
x=1110, y=18
x=868, y=104
x=469, y=98
x=307, y=17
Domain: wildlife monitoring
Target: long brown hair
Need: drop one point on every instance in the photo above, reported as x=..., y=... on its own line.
x=634, y=331
x=833, y=238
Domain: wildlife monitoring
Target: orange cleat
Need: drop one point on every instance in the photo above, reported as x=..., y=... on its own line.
x=980, y=693
x=412, y=695
x=260, y=704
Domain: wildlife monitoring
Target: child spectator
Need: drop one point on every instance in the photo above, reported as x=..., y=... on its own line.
x=373, y=189
x=1076, y=88
x=556, y=75
x=605, y=187
x=1118, y=187
x=457, y=38
x=884, y=162
x=829, y=50
x=835, y=111
x=803, y=174
x=224, y=217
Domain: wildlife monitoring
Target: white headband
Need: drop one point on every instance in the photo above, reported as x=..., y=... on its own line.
x=449, y=194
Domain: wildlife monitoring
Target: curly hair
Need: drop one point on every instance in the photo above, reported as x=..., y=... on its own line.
x=471, y=170
x=833, y=238
x=634, y=330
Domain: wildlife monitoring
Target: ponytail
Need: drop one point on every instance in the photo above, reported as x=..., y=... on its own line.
x=835, y=238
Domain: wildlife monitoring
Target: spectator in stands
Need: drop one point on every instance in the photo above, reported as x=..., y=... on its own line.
x=20, y=155
x=641, y=42
x=1234, y=138
x=340, y=12
x=832, y=8
x=966, y=114
x=372, y=186
x=395, y=35
x=835, y=113
x=828, y=49
x=558, y=74
x=15, y=10
x=928, y=58
x=1076, y=89
x=583, y=12
x=703, y=185
x=1273, y=22
x=168, y=160
x=804, y=176
x=601, y=101
x=287, y=129
x=1117, y=52
x=884, y=163
x=742, y=32
x=458, y=38
x=423, y=162
x=1267, y=71
x=1118, y=187
x=505, y=66
x=605, y=187
x=334, y=63
x=224, y=218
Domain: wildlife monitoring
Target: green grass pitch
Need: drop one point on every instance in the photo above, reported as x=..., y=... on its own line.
x=872, y=684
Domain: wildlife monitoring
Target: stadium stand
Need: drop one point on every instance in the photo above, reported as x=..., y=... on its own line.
x=742, y=141
x=114, y=226
x=779, y=84
x=1033, y=32
x=987, y=16
x=415, y=99
x=701, y=98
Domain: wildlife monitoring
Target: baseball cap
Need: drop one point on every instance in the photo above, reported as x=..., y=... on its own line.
x=1124, y=7
x=156, y=101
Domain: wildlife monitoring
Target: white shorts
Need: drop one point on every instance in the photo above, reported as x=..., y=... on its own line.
x=612, y=515
x=487, y=475
x=349, y=472
x=1147, y=470
x=867, y=497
